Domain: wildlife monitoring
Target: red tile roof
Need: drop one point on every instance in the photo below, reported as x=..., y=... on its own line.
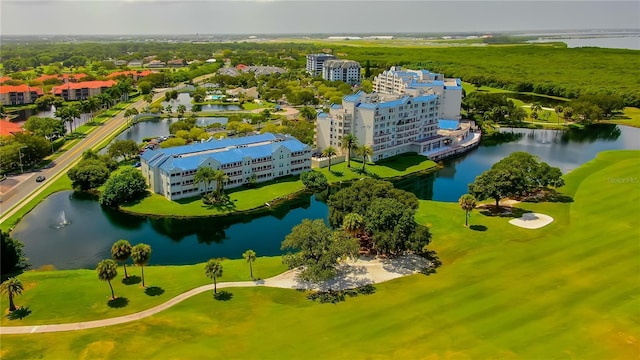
x=132, y=73
x=4, y=78
x=82, y=85
x=62, y=77
x=8, y=128
x=5, y=89
x=241, y=66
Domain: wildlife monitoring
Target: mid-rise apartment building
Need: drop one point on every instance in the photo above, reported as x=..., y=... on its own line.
x=390, y=124
x=341, y=70
x=82, y=90
x=170, y=172
x=315, y=62
x=401, y=115
x=413, y=82
x=19, y=94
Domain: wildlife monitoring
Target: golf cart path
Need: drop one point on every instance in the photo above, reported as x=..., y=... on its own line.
x=350, y=275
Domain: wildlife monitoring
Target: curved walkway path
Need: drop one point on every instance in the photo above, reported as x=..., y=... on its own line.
x=350, y=275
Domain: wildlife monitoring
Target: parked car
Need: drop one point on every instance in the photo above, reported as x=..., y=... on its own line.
x=136, y=164
x=40, y=178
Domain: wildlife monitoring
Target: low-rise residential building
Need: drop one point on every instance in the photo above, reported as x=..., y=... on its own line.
x=315, y=63
x=251, y=92
x=156, y=64
x=176, y=63
x=341, y=70
x=82, y=90
x=62, y=77
x=170, y=172
x=19, y=94
x=135, y=75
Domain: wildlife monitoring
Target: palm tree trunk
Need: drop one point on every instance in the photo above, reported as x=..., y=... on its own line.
x=329, y=163
x=125, y=270
x=12, y=306
x=466, y=218
x=497, y=204
x=113, y=295
x=142, y=266
x=349, y=157
x=251, y=269
x=215, y=286
x=364, y=160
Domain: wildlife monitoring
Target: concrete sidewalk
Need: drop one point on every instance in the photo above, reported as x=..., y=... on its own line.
x=350, y=275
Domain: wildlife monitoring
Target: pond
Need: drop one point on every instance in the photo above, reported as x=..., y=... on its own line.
x=185, y=99
x=160, y=127
x=92, y=230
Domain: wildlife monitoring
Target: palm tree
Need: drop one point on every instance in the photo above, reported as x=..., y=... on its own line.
x=353, y=223
x=558, y=109
x=365, y=151
x=534, y=110
x=121, y=251
x=181, y=110
x=107, y=271
x=11, y=287
x=206, y=175
x=221, y=177
x=130, y=112
x=329, y=151
x=168, y=109
x=213, y=270
x=349, y=142
x=148, y=98
x=140, y=255
x=250, y=256
x=467, y=203
x=74, y=113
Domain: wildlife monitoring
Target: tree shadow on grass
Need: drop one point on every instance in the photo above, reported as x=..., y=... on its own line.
x=434, y=262
x=223, y=295
x=19, y=314
x=132, y=280
x=337, y=173
x=154, y=291
x=118, y=302
x=478, y=228
x=502, y=211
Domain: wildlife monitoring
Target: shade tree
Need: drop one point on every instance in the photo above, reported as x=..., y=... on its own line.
x=141, y=254
x=213, y=270
x=107, y=270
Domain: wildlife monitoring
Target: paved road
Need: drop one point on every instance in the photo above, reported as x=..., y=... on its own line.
x=350, y=275
x=28, y=188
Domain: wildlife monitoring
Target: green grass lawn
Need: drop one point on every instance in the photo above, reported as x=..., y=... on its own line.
x=390, y=168
x=568, y=290
x=78, y=295
x=243, y=199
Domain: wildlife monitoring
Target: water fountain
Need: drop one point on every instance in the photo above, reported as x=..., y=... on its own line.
x=63, y=221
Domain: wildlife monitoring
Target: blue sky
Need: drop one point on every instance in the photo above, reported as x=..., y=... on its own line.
x=30, y=17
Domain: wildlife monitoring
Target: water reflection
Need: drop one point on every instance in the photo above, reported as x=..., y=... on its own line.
x=93, y=230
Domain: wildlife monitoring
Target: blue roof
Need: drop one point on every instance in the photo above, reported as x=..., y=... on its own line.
x=217, y=144
x=169, y=160
x=323, y=115
x=425, y=97
x=352, y=97
x=445, y=124
x=367, y=105
x=336, y=106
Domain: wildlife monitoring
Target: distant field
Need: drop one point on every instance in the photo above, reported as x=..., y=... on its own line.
x=569, y=290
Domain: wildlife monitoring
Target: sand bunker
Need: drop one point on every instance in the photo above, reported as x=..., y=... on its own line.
x=532, y=221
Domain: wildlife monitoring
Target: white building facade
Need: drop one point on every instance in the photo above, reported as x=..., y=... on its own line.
x=342, y=70
x=401, y=116
x=315, y=63
x=414, y=82
x=170, y=172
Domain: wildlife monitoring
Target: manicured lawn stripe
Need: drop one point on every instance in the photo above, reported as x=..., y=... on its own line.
x=568, y=290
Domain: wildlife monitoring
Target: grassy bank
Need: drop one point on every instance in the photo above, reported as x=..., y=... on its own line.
x=569, y=289
x=243, y=199
x=90, y=296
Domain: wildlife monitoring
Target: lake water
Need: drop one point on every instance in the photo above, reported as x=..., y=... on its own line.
x=185, y=99
x=617, y=42
x=93, y=230
x=160, y=127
